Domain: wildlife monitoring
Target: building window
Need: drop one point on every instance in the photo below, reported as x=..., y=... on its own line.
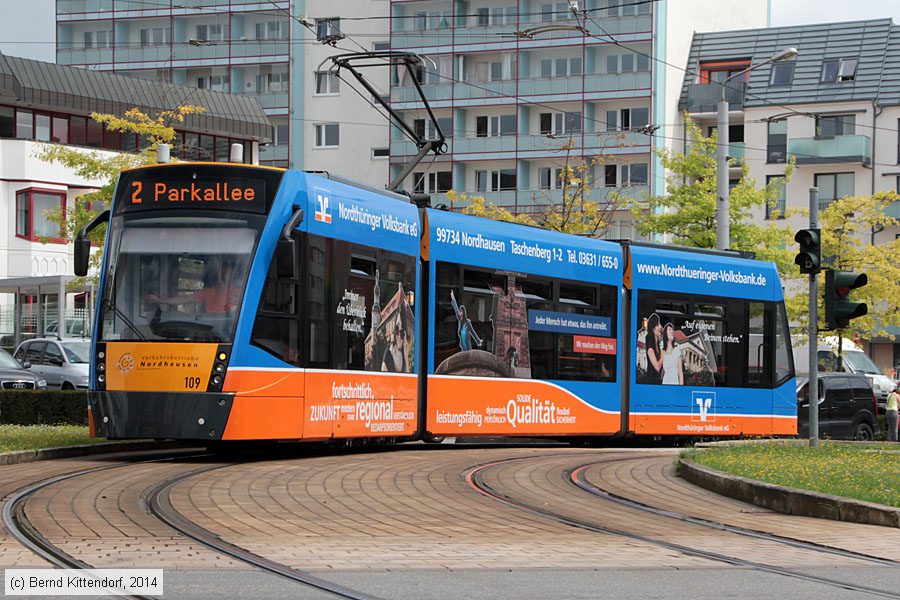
x=634, y=174
x=281, y=135
x=33, y=208
x=610, y=176
x=559, y=123
x=378, y=153
x=426, y=129
x=782, y=73
x=97, y=39
x=211, y=33
x=381, y=46
x=495, y=126
x=833, y=186
x=327, y=83
x=439, y=182
x=830, y=69
x=60, y=133
x=776, y=147
x=561, y=67
x=550, y=178
x=277, y=82
x=834, y=125
x=627, y=119
x=216, y=83
x=155, y=37
x=627, y=63
x=776, y=209
x=24, y=125
x=848, y=69
x=272, y=30
x=495, y=181
x=327, y=27
x=627, y=8
x=721, y=71
x=328, y=135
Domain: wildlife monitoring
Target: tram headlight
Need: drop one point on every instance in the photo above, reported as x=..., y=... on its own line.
x=217, y=381
x=101, y=366
x=101, y=355
x=219, y=368
x=101, y=377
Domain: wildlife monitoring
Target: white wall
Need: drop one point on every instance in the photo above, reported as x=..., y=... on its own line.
x=684, y=18
x=20, y=169
x=362, y=127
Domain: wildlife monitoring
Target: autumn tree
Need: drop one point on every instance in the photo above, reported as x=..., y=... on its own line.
x=847, y=226
x=686, y=214
x=105, y=166
x=574, y=213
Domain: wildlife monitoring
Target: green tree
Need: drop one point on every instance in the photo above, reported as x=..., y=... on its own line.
x=686, y=214
x=575, y=213
x=105, y=167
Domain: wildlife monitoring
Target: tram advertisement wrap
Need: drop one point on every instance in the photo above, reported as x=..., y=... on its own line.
x=158, y=367
x=488, y=406
x=358, y=404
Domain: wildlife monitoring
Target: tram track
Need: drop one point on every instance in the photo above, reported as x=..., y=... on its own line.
x=26, y=533
x=475, y=477
x=158, y=504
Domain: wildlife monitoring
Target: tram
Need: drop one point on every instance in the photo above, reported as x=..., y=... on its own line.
x=241, y=302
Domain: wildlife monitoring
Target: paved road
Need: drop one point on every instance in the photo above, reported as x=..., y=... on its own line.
x=410, y=524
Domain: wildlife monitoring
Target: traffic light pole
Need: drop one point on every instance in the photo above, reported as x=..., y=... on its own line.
x=813, y=331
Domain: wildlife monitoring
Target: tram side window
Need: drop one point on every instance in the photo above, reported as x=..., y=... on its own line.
x=757, y=345
x=277, y=326
x=784, y=359
x=503, y=324
x=318, y=300
x=373, y=309
x=691, y=340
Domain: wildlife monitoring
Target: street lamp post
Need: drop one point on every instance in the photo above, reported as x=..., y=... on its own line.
x=723, y=207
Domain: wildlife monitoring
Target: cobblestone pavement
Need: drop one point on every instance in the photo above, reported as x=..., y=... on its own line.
x=411, y=508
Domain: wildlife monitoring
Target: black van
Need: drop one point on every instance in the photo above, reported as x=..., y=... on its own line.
x=846, y=407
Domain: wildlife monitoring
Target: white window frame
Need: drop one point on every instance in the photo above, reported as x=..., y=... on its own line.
x=279, y=139
x=263, y=30
x=555, y=175
x=492, y=179
x=625, y=174
x=321, y=135
x=385, y=157
x=278, y=82
x=332, y=85
x=211, y=32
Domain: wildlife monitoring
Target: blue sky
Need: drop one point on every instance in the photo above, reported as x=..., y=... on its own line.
x=28, y=28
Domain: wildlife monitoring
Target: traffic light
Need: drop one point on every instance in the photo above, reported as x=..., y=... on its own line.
x=839, y=309
x=810, y=256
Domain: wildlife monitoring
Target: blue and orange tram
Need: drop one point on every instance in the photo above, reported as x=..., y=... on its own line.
x=241, y=302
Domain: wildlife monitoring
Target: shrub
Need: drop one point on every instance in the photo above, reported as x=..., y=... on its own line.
x=44, y=407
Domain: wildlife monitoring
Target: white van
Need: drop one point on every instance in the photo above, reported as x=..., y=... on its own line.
x=851, y=359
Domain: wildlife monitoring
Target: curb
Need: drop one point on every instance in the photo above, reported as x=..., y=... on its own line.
x=25, y=456
x=788, y=500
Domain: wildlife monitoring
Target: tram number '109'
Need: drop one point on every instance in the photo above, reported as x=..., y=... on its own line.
x=191, y=383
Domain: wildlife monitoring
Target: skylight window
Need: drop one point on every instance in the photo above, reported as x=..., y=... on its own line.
x=782, y=73
x=830, y=69
x=848, y=69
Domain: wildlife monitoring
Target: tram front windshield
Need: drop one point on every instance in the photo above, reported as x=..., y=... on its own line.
x=176, y=278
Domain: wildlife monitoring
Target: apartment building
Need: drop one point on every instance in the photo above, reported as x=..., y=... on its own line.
x=274, y=51
x=834, y=110
x=521, y=87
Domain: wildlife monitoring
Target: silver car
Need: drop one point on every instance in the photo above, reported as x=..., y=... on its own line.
x=62, y=363
x=14, y=376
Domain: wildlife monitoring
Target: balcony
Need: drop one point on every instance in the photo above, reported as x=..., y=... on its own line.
x=271, y=153
x=65, y=7
x=406, y=147
x=472, y=33
x=183, y=51
x=251, y=48
x=84, y=56
x=144, y=54
x=839, y=149
x=704, y=97
x=531, y=201
x=507, y=89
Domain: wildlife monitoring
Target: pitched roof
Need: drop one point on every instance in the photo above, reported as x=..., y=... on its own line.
x=56, y=87
x=875, y=43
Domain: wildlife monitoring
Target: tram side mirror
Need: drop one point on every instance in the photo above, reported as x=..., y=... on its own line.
x=286, y=259
x=82, y=255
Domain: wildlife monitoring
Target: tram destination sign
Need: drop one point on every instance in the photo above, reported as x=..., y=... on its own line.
x=194, y=191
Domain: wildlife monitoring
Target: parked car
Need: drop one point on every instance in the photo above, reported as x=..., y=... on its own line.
x=847, y=408
x=74, y=328
x=14, y=376
x=63, y=363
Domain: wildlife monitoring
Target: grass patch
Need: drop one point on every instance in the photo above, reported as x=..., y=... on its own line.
x=869, y=472
x=36, y=437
